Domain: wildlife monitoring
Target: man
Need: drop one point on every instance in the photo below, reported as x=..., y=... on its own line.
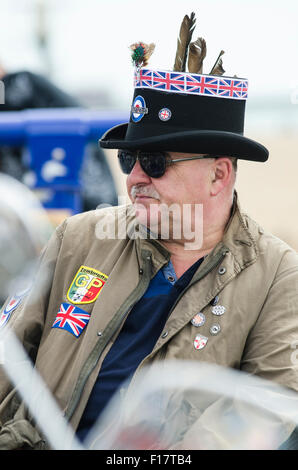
x=183, y=275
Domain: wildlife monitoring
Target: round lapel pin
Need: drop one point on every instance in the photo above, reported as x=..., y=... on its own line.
x=215, y=329
x=164, y=114
x=200, y=341
x=198, y=320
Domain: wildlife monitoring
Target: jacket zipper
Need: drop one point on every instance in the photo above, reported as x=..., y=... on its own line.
x=108, y=333
x=216, y=260
x=116, y=321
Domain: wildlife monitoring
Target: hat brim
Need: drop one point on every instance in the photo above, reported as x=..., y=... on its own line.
x=209, y=142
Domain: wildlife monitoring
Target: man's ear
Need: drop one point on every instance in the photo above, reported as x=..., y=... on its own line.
x=222, y=174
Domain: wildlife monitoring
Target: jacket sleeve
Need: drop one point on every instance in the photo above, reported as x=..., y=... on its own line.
x=27, y=322
x=270, y=350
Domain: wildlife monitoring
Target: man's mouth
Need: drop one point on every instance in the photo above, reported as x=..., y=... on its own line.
x=142, y=196
x=143, y=193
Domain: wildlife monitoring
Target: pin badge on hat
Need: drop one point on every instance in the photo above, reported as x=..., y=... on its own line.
x=138, y=109
x=198, y=320
x=201, y=101
x=200, y=341
x=218, y=310
x=165, y=114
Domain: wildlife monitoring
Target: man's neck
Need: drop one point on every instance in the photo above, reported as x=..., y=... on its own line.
x=182, y=259
x=184, y=254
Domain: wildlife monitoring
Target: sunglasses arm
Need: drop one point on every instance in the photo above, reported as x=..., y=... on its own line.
x=188, y=158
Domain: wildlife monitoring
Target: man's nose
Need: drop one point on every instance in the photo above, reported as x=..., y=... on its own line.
x=137, y=175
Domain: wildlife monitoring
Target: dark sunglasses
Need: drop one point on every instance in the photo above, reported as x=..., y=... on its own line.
x=154, y=164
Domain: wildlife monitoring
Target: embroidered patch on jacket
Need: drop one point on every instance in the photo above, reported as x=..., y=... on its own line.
x=86, y=286
x=72, y=319
x=14, y=301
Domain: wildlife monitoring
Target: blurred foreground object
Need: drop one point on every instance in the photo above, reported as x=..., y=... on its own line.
x=35, y=394
x=190, y=405
x=183, y=406
x=24, y=230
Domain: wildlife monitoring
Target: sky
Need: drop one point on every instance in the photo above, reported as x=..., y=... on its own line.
x=88, y=41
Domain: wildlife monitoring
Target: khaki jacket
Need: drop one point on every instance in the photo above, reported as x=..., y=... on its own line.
x=254, y=274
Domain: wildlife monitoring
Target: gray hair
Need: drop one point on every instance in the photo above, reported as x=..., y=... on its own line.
x=234, y=161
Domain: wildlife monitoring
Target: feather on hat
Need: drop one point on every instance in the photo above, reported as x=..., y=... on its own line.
x=185, y=111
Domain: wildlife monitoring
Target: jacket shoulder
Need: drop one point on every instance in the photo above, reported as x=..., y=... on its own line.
x=269, y=244
x=94, y=223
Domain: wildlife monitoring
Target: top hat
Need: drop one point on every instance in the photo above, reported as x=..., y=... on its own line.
x=186, y=112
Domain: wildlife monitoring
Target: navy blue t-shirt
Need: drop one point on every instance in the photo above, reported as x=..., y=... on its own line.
x=136, y=340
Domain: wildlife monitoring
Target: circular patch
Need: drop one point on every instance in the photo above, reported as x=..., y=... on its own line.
x=10, y=307
x=12, y=304
x=138, y=109
x=199, y=319
x=164, y=114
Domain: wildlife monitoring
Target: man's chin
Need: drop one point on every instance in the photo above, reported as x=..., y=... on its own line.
x=147, y=214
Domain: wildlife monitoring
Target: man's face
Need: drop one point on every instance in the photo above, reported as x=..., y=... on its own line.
x=183, y=184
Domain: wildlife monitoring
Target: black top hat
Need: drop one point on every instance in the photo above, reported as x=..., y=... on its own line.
x=186, y=112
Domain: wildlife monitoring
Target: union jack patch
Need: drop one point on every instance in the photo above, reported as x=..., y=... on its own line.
x=72, y=319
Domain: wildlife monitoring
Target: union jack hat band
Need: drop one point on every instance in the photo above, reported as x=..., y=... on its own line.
x=193, y=84
x=189, y=113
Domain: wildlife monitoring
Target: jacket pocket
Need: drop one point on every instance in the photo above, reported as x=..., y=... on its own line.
x=20, y=434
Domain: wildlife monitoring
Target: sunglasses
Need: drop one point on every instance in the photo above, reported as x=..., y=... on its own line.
x=154, y=164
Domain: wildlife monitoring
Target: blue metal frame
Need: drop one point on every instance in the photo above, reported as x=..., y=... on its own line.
x=55, y=141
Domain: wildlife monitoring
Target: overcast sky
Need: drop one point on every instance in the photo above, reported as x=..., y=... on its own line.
x=89, y=40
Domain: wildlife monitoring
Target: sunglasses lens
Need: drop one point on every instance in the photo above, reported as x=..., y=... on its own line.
x=127, y=160
x=154, y=163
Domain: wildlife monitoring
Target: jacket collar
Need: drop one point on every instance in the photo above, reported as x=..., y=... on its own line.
x=239, y=236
